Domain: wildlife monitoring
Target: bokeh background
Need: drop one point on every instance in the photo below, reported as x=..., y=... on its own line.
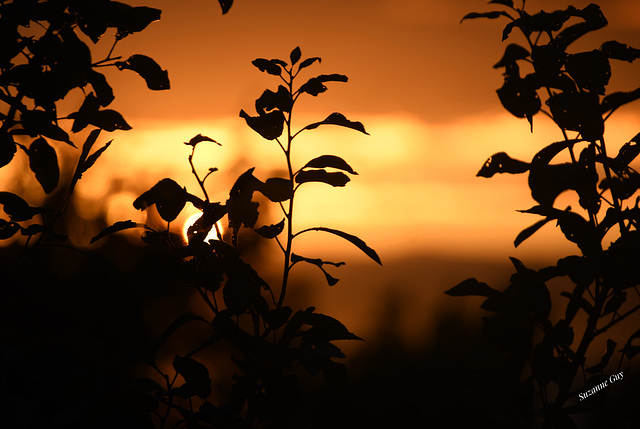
x=423, y=85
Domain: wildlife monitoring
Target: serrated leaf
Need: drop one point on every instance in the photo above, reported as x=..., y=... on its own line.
x=340, y=120
x=271, y=231
x=43, y=161
x=199, y=139
x=116, y=227
x=472, y=287
x=502, y=163
x=295, y=55
x=350, y=238
x=16, y=208
x=156, y=78
x=335, y=178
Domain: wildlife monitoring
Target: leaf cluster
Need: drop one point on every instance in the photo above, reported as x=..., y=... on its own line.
x=45, y=57
x=269, y=338
x=604, y=227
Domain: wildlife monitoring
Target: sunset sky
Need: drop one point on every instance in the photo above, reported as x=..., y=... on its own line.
x=421, y=82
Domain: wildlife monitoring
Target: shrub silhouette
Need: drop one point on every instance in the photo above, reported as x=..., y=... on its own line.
x=551, y=363
x=269, y=338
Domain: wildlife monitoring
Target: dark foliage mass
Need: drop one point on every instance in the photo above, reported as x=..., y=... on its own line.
x=269, y=339
x=545, y=362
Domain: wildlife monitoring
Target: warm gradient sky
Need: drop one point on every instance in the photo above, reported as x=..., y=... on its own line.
x=422, y=84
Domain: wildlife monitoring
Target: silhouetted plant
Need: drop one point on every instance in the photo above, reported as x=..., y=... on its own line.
x=534, y=354
x=269, y=338
x=44, y=59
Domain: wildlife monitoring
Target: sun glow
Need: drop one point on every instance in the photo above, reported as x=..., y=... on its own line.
x=212, y=235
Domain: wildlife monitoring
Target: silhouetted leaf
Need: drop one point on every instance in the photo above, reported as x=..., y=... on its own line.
x=268, y=66
x=318, y=263
x=196, y=376
x=350, y=238
x=269, y=126
x=490, y=15
x=8, y=229
x=308, y=62
x=43, y=161
x=599, y=367
x=332, y=161
x=7, y=148
x=547, y=62
x=629, y=151
x=502, y=163
x=271, y=231
x=16, y=208
x=295, y=56
x=529, y=231
x=619, y=51
x=270, y=100
x=276, y=189
x=472, y=287
x=32, y=229
x=315, y=85
x=116, y=227
x=519, y=98
x=225, y=5
x=617, y=99
x=101, y=87
x=199, y=139
x=134, y=19
x=512, y=53
x=277, y=317
x=335, y=178
x=629, y=349
x=593, y=20
x=171, y=329
x=614, y=303
x=338, y=119
x=168, y=197
x=241, y=210
x=40, y=122
x=86, y=148
x=590, y=70
x=578, y=111
x=578, y=230
x=89, y=113
x=156, y=78
x=508, y=3
x=93, y=158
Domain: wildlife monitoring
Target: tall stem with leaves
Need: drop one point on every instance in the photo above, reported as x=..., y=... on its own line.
x=574, y=89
